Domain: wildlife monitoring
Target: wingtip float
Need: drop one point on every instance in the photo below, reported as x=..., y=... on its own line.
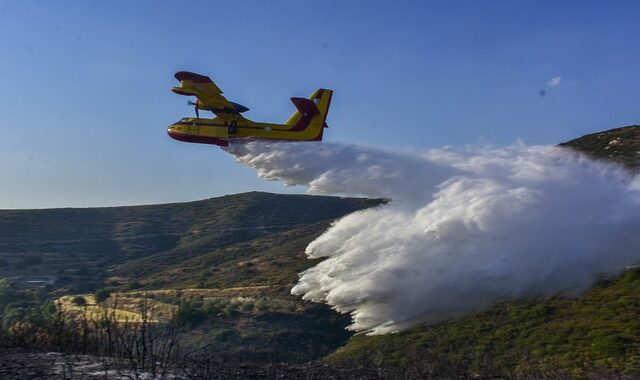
x=305, y=124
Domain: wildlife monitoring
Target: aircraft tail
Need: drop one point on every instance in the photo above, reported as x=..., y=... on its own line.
x=311, y=114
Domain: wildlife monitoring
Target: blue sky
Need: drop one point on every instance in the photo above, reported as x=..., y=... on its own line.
x=85, y=97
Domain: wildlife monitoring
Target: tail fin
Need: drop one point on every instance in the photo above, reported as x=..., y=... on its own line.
x=311, y=113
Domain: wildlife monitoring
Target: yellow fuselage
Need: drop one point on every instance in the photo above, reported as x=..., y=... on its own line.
x=217, y=131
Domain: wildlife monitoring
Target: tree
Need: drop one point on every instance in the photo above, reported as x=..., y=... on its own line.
x=102, y=295
x=133, y=285
x=79, y=301
x=4, y=292
x=188, y=315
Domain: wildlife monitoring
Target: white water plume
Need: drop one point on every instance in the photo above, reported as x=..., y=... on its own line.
x=464, y=228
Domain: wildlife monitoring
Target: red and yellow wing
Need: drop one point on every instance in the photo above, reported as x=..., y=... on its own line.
x=209, y=95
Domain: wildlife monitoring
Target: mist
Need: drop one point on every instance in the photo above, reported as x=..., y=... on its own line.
x=464, y=228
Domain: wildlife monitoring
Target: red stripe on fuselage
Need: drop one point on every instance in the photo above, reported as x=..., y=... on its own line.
x=299, y=127
x=198, y=139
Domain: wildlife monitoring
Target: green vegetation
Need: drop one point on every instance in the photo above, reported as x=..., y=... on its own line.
x=619, y=145
x=223, y=264
x=20, y=309
x=102, y=295
x=598, y=333
x=273, y=259
x=4, y=289
x=79, y=301
x=83, y=247
x=189, y=314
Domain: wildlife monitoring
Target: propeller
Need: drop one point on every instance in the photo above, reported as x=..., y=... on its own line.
x=195, y=106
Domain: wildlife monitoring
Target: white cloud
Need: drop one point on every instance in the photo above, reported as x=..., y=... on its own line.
x=555, y=81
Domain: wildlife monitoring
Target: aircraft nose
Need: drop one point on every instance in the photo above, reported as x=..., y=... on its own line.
x=171, y=130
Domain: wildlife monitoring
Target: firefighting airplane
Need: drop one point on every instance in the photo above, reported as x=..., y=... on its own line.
x=306, y=124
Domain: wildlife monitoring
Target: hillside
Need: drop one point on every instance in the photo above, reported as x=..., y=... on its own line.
x=79, y=247
x=621, y=145
x=223, y=267
x=595, y=335
x=598, y=333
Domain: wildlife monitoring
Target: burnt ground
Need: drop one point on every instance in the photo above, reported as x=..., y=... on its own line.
x=18, y=364
x=23, y=365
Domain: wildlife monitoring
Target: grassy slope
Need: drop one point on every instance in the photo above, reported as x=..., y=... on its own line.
x=249, y=216
x=243, y=253
x=620, y=145
x=119, y=307
x=80, y=245
x=596, y=333
x=244, y=291
x=275, y=259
